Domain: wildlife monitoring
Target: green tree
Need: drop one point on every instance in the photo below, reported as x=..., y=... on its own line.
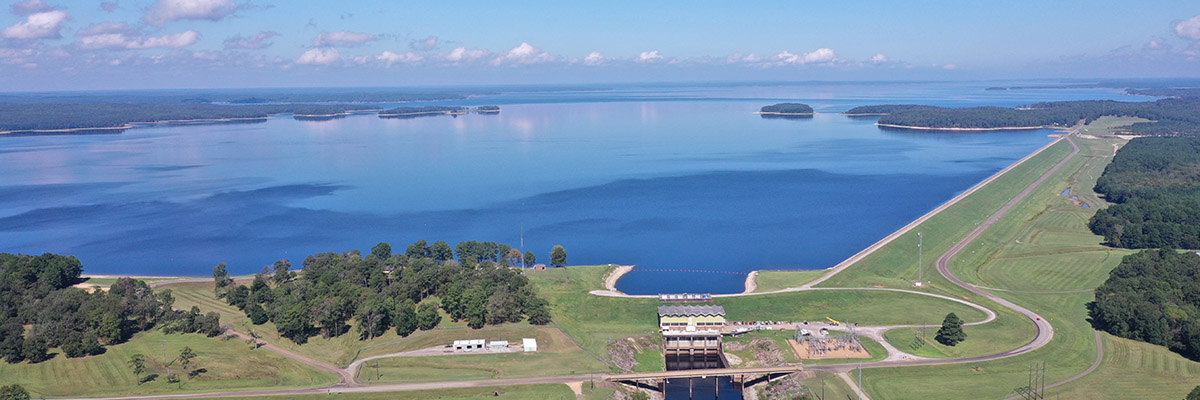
x=538, y=311
x=405, y=318
x=185, y=360
x=137, y=363
x=427, y=316
x=530, y=259
x=221, y=278
x=382, y=251
x=13, y=392
x=504, y=252
x=951, y=332
x=282, y=272
x=558, y=256
x=441, y=251
x=419, y=249
x=35, y=350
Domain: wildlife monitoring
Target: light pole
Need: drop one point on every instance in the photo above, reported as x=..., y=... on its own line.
x=920, y=256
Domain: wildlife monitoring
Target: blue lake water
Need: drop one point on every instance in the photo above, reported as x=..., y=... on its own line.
x=669, y=178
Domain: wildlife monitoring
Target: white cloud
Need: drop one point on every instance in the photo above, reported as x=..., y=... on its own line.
x=110, y=38
x=879, y=58
x=594, y=58
x=524, y=54
x=403, y=58
x=106, y=27
x=1189, y=29
x=42, y=25
x=426, y=44
x=323, y=56
x=818, y=56
x=650, y=56
x=174, y=10
x=343, y=39
x=461, y=54
x=29, y=7
x=261, y=40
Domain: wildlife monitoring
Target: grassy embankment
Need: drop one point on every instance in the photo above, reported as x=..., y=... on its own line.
x=1041, y=245
x=230, y=365
x=547, y=391
x=771, y=280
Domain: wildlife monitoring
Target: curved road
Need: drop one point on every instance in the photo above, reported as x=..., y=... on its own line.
x=1045, y=332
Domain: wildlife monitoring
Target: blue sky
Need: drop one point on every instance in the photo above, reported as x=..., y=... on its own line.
x=96, y=44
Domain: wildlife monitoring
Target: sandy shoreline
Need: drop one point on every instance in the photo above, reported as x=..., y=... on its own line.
x=928, y=128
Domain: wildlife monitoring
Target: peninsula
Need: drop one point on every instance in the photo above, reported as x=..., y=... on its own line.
x=1169, y=117
x=402, y=112
x=34, y=119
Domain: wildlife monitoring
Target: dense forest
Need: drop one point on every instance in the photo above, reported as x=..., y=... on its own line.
x=381, y=291
x=1153, y=296
x=36, y=291
x=1154, y=183
x=25, y=117
x=1173, y=117
x=787, y=108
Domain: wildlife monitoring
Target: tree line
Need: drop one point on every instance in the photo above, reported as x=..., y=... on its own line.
x=1153, y=296
x=381, y=290
x=1154, y=185
x=1172, y=117
x=23, y=117
x=36, y=291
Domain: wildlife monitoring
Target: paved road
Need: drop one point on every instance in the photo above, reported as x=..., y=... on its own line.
x=1045, y=332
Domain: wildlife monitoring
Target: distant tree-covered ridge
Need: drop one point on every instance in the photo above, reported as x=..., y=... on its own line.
x=1154, y=183
x=402, y=111
x=1153, y=296
x=49, y=117
x=381, y=291
x=36, y=291
x=1172, y=117
x=787, y=108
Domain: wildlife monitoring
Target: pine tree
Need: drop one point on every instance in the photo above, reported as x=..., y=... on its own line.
x=951, y=332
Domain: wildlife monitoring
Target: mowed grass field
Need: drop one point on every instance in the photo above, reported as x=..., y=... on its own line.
x=864, y=307
x=548, y=391
x=230, y=365
x=1041, y=256
x=770, y=280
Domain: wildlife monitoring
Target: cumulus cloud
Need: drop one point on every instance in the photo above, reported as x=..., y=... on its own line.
x=879, y=58
x=111, y=38
x=342, y=39
x=261, y=40
x=649, y=56
x=390, y=58
x=29, y=7
x=594, y=58
x=461, y=54
x=42, y=25
x=1189, y=29
x=165, y=11
x=524, y=54
x=818, y=56
x=320, y=56
x=426, y=44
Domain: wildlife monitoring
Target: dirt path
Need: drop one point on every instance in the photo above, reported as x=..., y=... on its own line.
x=751, y=282
x=853, y=385
x=610, y=280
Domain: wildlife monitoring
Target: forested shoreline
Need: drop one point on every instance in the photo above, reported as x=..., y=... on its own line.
x=1154, y=185
x=37, y=291
x=49, y=117
x=1171, y=117
x=380, y=290
x=787, y=108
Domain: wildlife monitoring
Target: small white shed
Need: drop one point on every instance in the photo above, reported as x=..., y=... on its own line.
x=468, y=345
x=498, y=345
x=530, y=344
